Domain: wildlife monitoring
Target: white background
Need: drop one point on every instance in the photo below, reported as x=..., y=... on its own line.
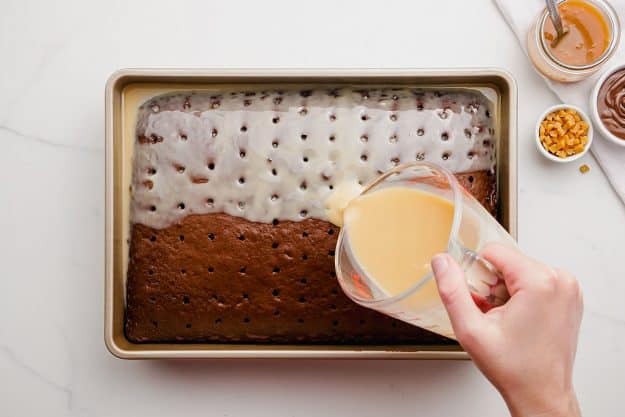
x=55, y=57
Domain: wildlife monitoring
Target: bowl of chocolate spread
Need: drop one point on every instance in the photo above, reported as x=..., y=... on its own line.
x=607, y=104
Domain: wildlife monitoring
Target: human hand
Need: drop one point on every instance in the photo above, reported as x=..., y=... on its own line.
x=526, y=347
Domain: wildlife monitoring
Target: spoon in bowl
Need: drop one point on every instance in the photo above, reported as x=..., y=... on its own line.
x=554, y=14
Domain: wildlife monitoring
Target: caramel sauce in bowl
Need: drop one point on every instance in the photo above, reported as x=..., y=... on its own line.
x=587, y=38
x=607, y=105
x=593, y=37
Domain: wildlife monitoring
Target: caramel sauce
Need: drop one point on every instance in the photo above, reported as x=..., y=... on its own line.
x=588, y=34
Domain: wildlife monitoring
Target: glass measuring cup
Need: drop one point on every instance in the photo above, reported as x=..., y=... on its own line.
x=472, y=227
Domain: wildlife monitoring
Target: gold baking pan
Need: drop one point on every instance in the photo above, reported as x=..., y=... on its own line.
x=128, y=87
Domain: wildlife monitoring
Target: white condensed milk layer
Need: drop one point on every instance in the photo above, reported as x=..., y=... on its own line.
x=265, y=155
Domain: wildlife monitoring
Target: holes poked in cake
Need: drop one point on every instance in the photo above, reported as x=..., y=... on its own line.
x=364, y=138
x=199, y=180
x=275, y=120
x=186, y=300
x=275, y=292
x=243, y=129
x=181, y=238
x=181, y=206
x=294, y=136
x=243, y=270
x=275, y=270
x=446, y=155
x=445, y=136
x=275, y=245
x=420, y=156
x=444, y=113
x=211, y=236
x=241, y=237
x=211, y=269
x=211, y=165
x=153, y=238
x=214, y=133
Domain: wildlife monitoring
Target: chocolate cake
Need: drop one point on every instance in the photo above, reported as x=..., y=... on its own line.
x=230, y=240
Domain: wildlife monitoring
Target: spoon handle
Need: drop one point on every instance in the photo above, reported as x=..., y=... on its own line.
x=554, y=13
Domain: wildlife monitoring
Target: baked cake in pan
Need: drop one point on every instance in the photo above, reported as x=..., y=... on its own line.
x=230, y=239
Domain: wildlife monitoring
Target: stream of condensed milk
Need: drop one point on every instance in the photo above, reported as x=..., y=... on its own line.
x=394, y=233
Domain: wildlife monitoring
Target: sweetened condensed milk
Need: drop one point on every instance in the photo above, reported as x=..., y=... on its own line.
x=394, y=233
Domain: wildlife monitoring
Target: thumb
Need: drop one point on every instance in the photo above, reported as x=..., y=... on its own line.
x=454, y=293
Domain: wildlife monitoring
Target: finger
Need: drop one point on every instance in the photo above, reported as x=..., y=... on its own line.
x=454, y=293
x=518, y=270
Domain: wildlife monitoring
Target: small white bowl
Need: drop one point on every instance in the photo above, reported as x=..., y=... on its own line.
x=593, y=107
x=548, y=154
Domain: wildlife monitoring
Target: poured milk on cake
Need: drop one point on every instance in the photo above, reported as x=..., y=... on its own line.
x=230, y=239
x=265, y=155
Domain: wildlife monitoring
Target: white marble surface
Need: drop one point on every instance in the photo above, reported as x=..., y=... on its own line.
x=55, y=58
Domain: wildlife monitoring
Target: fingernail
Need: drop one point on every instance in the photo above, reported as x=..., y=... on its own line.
x=439, y=264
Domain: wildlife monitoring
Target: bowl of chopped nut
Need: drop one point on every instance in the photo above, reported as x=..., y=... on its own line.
x=563, y=133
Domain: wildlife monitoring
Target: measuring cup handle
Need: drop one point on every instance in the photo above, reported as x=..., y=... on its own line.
x=484, y=280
